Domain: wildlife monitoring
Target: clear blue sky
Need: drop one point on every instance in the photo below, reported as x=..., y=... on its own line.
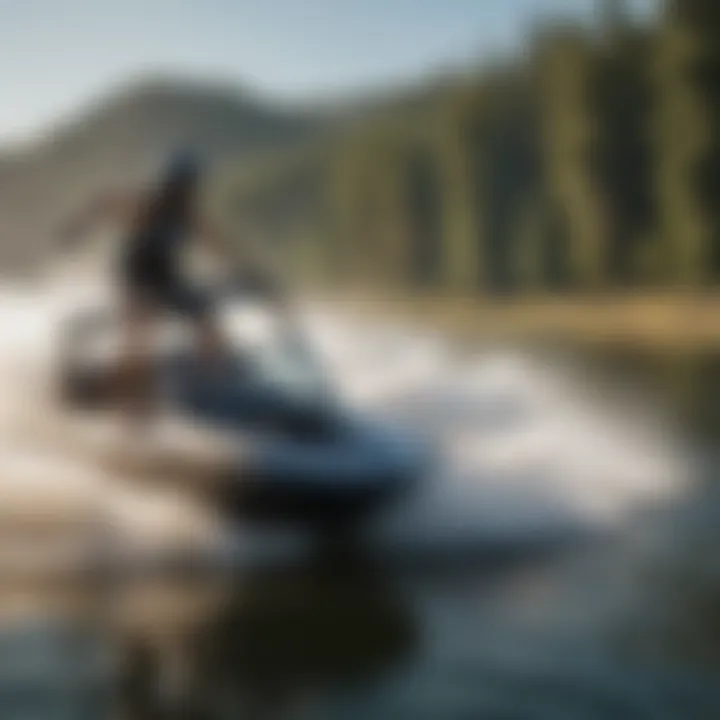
x=56, y=54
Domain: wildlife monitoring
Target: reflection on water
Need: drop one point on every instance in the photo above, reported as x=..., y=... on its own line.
x=261, y=646
x=528, y=640
x=293, y=642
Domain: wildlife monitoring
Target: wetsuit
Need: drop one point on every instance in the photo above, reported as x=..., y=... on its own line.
x=150, y=265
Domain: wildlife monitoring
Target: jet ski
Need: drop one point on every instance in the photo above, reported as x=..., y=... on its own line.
x=307, y=458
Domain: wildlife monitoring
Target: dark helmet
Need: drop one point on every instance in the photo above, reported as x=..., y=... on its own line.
x=184, y=166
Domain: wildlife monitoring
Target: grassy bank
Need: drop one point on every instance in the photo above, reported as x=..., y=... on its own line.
x=670, y=321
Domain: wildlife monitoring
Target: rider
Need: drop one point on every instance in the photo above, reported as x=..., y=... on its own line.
x=158, y=224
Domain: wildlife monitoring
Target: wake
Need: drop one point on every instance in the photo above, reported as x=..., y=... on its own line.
x=523, y=455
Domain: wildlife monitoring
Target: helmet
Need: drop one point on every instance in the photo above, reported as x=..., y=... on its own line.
x=183, y=166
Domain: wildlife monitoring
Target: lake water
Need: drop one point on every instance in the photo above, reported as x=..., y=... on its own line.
x=561, y=565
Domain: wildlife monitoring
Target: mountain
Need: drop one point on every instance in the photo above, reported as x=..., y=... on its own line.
x=122, y=138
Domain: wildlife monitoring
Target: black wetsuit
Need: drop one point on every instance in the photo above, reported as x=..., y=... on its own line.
x=150, y=265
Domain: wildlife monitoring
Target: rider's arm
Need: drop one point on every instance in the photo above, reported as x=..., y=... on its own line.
x=217, y=239
x=119, y=206
x=255, y=272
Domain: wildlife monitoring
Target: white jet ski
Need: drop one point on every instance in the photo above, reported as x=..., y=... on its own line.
x=306, y=458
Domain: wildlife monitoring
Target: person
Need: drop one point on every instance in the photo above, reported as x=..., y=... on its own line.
x=158, y=224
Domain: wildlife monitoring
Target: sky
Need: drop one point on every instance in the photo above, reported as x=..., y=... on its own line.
x=56, y=55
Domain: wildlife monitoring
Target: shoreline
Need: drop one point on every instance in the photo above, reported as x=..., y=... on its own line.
x=671, y=322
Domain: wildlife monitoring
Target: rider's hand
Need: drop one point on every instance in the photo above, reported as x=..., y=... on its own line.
x=259, y=285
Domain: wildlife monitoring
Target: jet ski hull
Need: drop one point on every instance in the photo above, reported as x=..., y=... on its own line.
x=334, y=484
x=304, y=460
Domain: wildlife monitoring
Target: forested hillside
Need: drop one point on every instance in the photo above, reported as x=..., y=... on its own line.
x=589, y=163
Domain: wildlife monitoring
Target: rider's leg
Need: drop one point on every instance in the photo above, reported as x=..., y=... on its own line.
x=210, y=340
x=136, y=368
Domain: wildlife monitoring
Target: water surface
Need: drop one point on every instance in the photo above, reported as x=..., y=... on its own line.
x=559, y=565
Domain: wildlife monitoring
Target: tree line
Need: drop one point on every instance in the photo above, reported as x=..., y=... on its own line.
x=590, y=163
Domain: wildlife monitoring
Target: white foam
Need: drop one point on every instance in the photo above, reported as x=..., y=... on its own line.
x=524, y=452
